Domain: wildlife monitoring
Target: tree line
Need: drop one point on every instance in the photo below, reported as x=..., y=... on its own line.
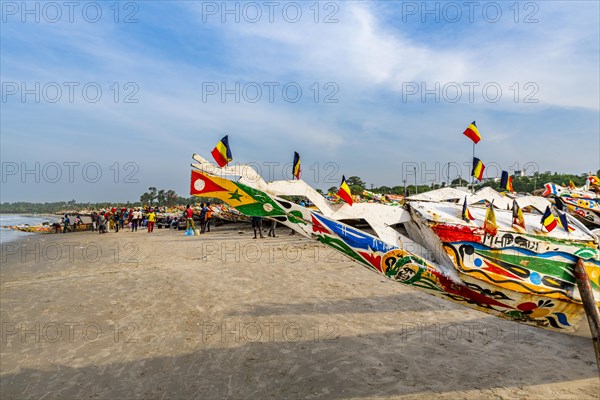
x=523, y=184
x=169, y=198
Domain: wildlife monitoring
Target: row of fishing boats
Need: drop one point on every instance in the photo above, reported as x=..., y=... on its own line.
x=506, y=255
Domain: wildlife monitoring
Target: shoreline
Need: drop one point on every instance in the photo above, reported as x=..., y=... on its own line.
x=223, y=315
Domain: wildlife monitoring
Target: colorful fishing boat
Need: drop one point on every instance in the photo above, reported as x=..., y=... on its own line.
x=583, y=202
x=518, y=271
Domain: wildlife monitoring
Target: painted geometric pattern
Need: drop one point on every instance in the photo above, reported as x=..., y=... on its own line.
x=404, y=267
x=400, y=265
x=549, y=274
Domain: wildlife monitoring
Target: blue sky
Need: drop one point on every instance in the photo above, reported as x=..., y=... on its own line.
x=394, y=82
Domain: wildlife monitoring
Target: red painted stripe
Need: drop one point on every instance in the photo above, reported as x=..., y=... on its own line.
x=499, y=271
x=457, y=233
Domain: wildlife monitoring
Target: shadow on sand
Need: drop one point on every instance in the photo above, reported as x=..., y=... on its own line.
x=403, y=361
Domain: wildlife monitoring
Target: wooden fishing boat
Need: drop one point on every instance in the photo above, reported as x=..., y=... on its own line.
x=582, y=203
x=47, y=228
x=521, y=274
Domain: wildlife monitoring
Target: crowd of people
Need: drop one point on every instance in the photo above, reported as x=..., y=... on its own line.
x=138, y=218
x=195, y=221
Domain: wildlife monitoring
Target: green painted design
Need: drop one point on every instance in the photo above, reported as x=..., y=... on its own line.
x=401, y=262
x=264, y=206
x=412, y=271
x=342, y=247
x=586, y=253
x=235, y=195
x=561, y=242
x=295, y=217
x=545, y=266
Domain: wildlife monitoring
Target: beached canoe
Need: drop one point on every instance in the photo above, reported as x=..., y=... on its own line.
x=525, y=275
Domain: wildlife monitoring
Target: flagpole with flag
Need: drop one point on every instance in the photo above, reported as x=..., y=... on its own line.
x=473, y=166
x=473, y=133
x=222, y=152
x=296, y=166
x=344, y=191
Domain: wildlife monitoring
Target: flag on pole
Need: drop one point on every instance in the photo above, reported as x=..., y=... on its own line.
x=518, y=217
x=466, y=214
x=506, y=182
x=473, y=133
x=222, y=153
x=489, y=225
x=548, y=220
x=564, y=222
x=478, y=168
x=571, y=185
x=344, y=191
x=296, y=165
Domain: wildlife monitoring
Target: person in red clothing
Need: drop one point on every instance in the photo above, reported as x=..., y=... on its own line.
x=189, y=217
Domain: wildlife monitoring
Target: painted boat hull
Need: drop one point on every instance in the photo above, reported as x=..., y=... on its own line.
x=446, y=276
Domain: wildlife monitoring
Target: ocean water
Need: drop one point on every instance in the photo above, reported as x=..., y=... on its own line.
x=8, y=235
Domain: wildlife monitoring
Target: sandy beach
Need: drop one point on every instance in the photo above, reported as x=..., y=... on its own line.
x=133, y=315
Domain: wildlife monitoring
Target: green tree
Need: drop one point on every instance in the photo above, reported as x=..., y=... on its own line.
x=459, y=182
x=145, y=198
x=152, y=195
x=356, y=184
x=160, y=197
x=170, y=198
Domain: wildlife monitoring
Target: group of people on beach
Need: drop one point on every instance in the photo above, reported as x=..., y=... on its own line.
x=135, y=218
x=65, y=224
x=205, y=215
x=114, y=220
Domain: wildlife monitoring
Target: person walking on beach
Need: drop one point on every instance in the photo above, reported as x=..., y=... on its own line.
x=135, y=219
x=101, y=223
x=189, y=218
x=78, y=221
x=202, y=218
x=272, y=228
x=116, y=218
x=131, y=217
x=257, y=225
x=66, y=222
x=151, y=219
x=94, y=218
x=209, y=214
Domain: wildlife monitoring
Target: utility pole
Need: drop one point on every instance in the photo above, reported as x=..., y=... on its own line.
x=415, y=171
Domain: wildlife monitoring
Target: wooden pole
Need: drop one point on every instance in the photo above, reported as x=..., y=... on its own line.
x=472, y=168
x=589, y=305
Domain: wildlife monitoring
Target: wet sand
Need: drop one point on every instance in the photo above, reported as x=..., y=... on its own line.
x=132, y=315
